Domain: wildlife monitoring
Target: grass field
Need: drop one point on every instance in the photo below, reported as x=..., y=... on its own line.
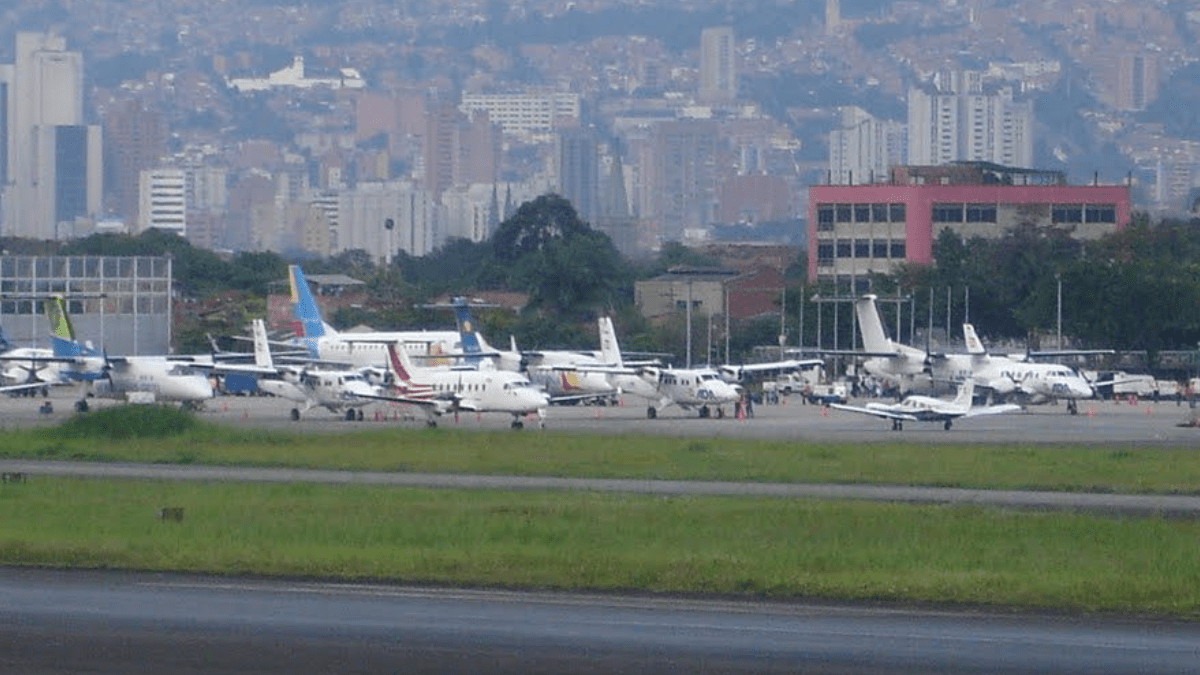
x=727, y=546
x=114, y=436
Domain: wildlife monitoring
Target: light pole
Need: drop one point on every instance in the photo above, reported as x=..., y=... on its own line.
x=1058, y=282
x=389, y=225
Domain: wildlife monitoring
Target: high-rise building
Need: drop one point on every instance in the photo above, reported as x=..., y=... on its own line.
x=1137, y=81
x=532, y=116
x=162, y=200
x=833, y=16
x=683, y=177
x=577, y=165
x=54, y=165
x=863, y=147
x=718, y=65
x=134, y=139
x=955, y=118
x=460, y=148
x=363, y=214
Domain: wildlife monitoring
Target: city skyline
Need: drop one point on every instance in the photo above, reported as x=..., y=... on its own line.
x=301, y=145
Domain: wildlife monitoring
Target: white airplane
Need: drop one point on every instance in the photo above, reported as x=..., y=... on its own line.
x=441, y=390
x=699, y=388
x=916, y=369
x=327, y=345
x=122, y=377
x=27, y=369
x=342, y=392
x=917, y=408
x=564, y=374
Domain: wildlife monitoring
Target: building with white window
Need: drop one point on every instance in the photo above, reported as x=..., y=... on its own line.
x=162, y=200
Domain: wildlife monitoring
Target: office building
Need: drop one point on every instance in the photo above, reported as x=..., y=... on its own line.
x=857, y=230
x=956, y=117
x=54, y=163
x=134, y=139
x=718, y=65
x=863, y=147
x=162, y=200
x=577, y=166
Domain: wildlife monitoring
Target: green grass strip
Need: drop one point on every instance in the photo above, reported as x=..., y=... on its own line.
x=739, y=546
x=121, y=434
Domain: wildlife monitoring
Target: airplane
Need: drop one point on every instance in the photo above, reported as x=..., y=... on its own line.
x=699, y=388
x=327, y=345
x=918, y=408
x=440, y=390
x=917, y=369
x=28, y=376
x=564, y=374
x=121, y=377
x=342, y=392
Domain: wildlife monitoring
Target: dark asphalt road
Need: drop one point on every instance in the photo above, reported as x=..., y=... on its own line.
x=107, y=622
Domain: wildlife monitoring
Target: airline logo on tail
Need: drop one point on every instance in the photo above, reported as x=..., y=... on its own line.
x=62, y=333
x=466, y=329
x=402, y=369
x=305, y=309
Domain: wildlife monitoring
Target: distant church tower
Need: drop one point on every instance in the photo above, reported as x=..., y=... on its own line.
x=833, y=16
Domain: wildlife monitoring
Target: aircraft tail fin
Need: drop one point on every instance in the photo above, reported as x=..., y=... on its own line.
x=62, y=332
x=966, y=392
x=871, y=326
x=471, y=344
x=399, y=364
x=304, y=308
x=974, y=346
x=610, y=351
x=262, y=348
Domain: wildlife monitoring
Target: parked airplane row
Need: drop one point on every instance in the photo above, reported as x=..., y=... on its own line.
x=999, y=376
x=346, y=372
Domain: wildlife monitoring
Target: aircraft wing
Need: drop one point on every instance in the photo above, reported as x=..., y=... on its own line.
x=579, y=397
x=439, y=406
x=777, y=366
x=28, y=385
x=977, y=411
x=876, y=412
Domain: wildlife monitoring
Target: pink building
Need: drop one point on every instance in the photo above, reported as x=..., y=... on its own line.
x=856, y=230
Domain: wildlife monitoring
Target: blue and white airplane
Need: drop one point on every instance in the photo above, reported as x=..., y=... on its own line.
x=162, y=378
x=327, y=345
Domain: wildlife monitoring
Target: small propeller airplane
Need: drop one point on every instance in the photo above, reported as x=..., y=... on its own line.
x=918, y=408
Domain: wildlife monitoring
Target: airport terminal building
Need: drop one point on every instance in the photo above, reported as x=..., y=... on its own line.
x=122, y=304
x=856, y=230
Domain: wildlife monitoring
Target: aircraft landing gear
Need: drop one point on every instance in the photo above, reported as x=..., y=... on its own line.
x=518, y=424
x=81, y=406
x=430, y=424
x=1072, y=406
x=704, y=412
x=946, y=426
x=720, y=413
x=295, y=414
x=897, y=425
x=651, y=413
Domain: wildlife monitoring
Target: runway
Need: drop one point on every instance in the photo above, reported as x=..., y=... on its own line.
x=115, y=622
